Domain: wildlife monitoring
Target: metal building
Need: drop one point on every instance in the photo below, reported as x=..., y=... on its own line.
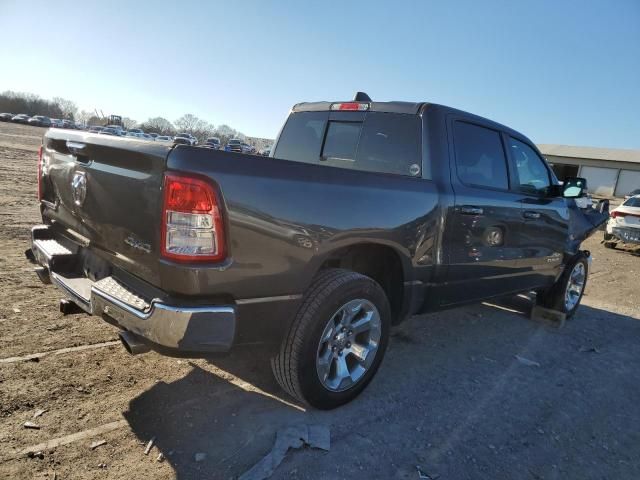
x=610, y=172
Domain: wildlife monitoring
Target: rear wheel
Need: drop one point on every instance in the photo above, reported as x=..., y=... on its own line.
x=565, y=295
x=336, y=341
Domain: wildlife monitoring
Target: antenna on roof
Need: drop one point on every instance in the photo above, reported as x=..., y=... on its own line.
x=361, y=97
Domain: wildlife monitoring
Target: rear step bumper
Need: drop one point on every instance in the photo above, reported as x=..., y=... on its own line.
x=200, y=329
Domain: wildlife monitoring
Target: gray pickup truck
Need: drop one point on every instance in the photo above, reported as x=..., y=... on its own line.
x=364, y=214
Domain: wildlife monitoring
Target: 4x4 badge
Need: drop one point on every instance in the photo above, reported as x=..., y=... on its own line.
x=79, y=188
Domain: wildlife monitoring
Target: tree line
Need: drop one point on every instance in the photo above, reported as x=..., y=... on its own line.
x=189, y=123
x=31, y=104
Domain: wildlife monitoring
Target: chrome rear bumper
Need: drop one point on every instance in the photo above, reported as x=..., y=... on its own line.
x=182, y=327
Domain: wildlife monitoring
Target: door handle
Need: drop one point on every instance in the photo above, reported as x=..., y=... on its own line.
x=469, y=210
x=531, y=215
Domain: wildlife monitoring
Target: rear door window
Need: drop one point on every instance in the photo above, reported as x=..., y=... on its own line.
x=480, y=157
x=382, y=142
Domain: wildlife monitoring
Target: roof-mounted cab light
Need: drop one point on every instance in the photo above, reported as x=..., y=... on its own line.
x=350, y=106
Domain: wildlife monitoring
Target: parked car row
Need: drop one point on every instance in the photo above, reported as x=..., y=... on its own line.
x=39, y=121
x=233, y=145
x=238, y=146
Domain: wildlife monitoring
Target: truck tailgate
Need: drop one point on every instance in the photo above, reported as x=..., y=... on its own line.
x=107, y=190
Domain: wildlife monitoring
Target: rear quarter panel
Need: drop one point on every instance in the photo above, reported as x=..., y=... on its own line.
x=284, y=218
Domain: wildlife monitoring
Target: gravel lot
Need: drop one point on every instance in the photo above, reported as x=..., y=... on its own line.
x=450, y=397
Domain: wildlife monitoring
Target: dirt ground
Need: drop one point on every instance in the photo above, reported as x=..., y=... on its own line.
x=450, y=398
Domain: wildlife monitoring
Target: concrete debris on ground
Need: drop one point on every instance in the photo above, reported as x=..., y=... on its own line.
x=425, y=476
x=40, y=412
x=586, y=349
x=149, y=446
x=31, y=425
x=527, y=362
x=97, y=444
x=297, y=436
x=160, y=457
x=38, y=454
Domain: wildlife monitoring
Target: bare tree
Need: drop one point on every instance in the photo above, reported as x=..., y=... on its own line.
x=159, y=125
x=83, y=117
x=69, y=108
x=224, y=133
x=197, y=127
x=189, y=123
x=17, y=102
x=128, y=123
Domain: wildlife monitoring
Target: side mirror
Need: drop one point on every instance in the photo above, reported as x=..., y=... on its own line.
x=574, y=187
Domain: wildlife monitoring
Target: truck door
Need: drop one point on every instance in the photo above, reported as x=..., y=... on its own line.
x=545, y=219
x=481, y=239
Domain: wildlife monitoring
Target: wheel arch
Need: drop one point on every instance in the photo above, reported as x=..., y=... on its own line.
x=380, y=261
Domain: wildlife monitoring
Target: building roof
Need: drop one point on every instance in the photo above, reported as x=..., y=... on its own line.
x=613, y=154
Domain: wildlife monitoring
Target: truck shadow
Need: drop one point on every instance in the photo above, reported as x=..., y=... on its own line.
x=229, y=417
x=460, y=364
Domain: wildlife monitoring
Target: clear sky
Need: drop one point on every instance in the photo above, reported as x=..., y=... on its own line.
x=560, y=71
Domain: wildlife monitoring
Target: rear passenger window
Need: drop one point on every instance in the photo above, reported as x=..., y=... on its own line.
x=390, y=143
x=480, y=157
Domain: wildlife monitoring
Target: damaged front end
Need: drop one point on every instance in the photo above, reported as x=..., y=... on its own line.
x=584, y=222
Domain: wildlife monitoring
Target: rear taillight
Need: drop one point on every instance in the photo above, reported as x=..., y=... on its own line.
x=40, y=173
x=619, y=214
x=192, y=226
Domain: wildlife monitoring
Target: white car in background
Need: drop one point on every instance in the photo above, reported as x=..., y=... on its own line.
x=632, y=194
x=624, y=224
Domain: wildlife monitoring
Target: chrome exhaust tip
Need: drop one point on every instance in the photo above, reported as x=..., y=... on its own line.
x=132, y=344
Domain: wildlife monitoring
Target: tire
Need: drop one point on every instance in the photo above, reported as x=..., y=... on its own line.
x=297, y=365
x=611, y=245
x=555, y=297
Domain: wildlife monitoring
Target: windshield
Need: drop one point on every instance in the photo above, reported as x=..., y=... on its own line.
x=632, y=202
